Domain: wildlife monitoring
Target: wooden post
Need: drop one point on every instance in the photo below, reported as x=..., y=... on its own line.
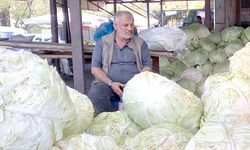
x=77, y=45
x=148, y=15
x=114, y=5
x=237, y=12
x=54, y=29
x=66, y=27
x=207, y=13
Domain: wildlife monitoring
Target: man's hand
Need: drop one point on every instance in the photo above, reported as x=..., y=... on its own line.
x=117, y=87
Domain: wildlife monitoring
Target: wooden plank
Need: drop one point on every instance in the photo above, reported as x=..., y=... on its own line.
x=77, y=45
x=36, y=46
x=54, y=56
x=65, y=51
x=68, y=56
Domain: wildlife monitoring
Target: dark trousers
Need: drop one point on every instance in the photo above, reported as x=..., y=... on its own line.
x=102, y=97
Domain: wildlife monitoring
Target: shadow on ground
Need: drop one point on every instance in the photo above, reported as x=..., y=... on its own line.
x=88, y=78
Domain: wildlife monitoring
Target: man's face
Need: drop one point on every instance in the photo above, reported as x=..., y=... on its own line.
x=125, y=28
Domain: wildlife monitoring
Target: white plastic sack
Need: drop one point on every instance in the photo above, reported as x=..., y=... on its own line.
x=164, y=39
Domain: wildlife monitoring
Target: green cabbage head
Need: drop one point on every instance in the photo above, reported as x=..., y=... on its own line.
x=218, y=136
x=240, y=61
x=226, y=99
x=115, y=124
x=233, y=47
x=150, y=99
x=196, y=57
x=245, y=36
x=84, y=111
x=215, y=37
x=231, y=33
x=207, y=45
x=86, y=141
x=161, y=136
x=200, y=30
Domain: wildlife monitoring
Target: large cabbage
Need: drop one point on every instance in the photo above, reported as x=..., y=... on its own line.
x=200, y=30
x=19, y=131
x=245, y=36
x=215, y=37
x=115, y=124
x=88, y=142
x=207, y=68
x=231, y=33
x=35, y=105
x=192, y=74
x=217, y=78
x=221, y=67
x=207, y=45
x=233, y=47
x=240, y=61
x=219, y=136
x=197, y=57
x=151, y=99
x=227, y=101
x=84, y=110
x=187, y=84
x=172, y=67
x=217, y=56
x=159, y=137
x=189, y=33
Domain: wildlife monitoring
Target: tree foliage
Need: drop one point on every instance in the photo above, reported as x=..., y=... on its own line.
x=23, y=9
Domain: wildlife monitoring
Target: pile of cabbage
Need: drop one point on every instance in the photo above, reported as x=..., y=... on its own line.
x=208, y=53
x=226, y=98
x=36, y=108
x=39, y=112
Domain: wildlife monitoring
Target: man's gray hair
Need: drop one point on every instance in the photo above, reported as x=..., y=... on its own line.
x=118, y=14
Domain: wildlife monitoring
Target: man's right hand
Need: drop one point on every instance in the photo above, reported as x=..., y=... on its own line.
x=117, y=87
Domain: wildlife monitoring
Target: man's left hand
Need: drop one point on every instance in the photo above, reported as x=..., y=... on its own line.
x=118, y=88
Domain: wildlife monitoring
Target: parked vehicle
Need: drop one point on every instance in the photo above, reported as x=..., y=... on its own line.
x=7, y=32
